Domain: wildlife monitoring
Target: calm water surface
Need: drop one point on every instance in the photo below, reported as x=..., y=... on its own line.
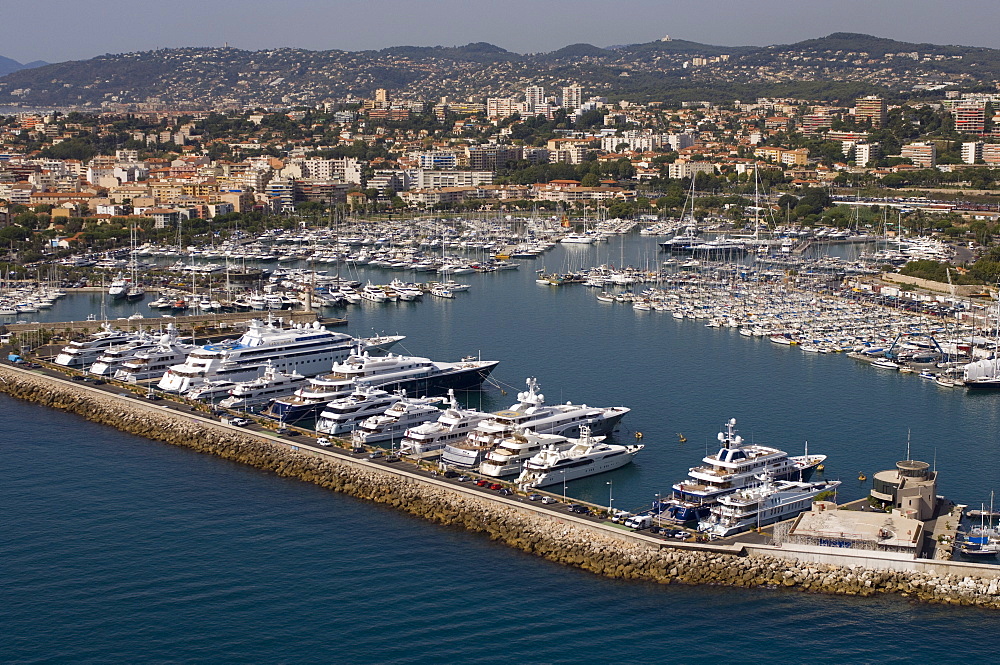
x=118, y=549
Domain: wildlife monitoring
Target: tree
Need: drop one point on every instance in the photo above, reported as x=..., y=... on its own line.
x=590, y=180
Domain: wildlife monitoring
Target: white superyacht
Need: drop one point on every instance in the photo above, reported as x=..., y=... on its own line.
x=531, y=412
x=304, y=348
x=588, y=456
x=508, y=458
x=453, y=424
x=392, y=425
x=153, y=363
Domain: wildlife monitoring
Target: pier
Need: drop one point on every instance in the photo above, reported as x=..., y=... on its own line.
x=587, y=542
x=220, y=321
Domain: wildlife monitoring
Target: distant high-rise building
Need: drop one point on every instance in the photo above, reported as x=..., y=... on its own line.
x=534, y=97
x=870, y=108
x=864, y=153
x=572, y=97
x=970, y=118
x=991, y=153
x=972, y=151
x=921, y=154
x=381, y=99
x=501, y=107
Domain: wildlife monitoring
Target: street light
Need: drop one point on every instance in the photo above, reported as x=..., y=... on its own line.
x=611, y=500
x=563, y=472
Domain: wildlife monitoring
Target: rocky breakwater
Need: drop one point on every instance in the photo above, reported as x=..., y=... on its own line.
x=563, y=538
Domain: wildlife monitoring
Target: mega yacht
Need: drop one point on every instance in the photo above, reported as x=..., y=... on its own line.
x=341, y=416
x=736, y=465
x=303, y=348
x=210, y=391
x=758, y=505
x=587, y=457
x=119, y=287
x=153, y=362
x=393, y=423
x=85, y=352
x=508, y=458
x=413, y=374
x=685, y=241
x=257, y=392
x=531, y=412
x=115, y=356
x=453, y=424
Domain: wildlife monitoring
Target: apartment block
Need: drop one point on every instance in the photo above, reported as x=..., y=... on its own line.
x=970, y=118
x=872, y=109
x=921, y=154
x=972, y=151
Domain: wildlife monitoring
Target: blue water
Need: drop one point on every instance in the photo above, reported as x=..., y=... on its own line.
x=117, y=549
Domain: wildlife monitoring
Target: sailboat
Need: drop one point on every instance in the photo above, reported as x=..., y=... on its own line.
x=979, y=543
x=985, y=374
x=135, y=289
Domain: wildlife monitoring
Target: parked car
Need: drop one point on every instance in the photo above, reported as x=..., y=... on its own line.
x=450, y=474
x=392, y=458
x=580, y=510
x=323, y=441
x=506, y=491
x=239, y=422
x=548, y=500
x=482, y=482
x=375, y=454
x=464, y=479
x=534, y=497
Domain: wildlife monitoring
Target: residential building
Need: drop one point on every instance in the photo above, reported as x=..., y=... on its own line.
x=871, y=109
x=972, y=151
x=921, y=154
x=970, y=118
x=991, y=153
x=534, y=98
x=572, y=97
x=864, y=153
x=682, y=169
x=491, y=156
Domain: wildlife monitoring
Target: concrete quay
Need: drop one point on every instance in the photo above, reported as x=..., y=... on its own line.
x=221, y=321
x=548, y=531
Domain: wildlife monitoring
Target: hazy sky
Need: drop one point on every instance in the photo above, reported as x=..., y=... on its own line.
x=59, y=30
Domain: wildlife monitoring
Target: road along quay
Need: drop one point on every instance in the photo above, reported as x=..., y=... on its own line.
x=550, y=531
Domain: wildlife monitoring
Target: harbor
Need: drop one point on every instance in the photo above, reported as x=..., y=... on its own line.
x=654, y=351
x=549, y=532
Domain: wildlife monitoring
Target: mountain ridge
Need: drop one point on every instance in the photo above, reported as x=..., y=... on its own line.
x=836, y=65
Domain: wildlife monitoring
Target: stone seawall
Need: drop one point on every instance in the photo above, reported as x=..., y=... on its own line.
x=562, y=538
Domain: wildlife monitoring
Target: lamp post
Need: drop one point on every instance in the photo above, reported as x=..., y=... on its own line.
x=611, y=500
x=563, y=472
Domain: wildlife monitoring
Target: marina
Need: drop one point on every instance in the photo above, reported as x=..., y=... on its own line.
x=675, y=374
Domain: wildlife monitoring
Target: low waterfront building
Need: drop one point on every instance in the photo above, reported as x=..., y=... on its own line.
x=825, y=527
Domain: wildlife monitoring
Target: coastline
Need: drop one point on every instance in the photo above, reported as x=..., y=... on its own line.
x=561, y=538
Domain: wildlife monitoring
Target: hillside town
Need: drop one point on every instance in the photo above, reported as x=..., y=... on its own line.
x=547, y=148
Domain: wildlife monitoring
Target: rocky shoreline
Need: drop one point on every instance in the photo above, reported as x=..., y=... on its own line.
x=559, y=538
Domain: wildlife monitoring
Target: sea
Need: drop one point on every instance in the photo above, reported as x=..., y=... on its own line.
x=121, y=549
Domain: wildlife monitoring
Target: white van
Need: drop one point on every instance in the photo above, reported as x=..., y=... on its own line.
x=639, y=522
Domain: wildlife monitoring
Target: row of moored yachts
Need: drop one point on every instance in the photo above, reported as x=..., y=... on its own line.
x=305, y=372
